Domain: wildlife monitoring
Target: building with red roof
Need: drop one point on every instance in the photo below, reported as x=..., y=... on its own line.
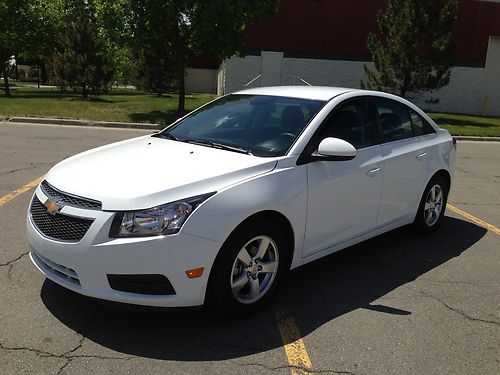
x=323, y=42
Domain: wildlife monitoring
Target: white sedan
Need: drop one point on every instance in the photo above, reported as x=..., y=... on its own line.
x=218, y=206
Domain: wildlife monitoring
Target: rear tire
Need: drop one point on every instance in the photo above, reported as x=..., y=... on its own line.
x=432, y=205
x=248, y=268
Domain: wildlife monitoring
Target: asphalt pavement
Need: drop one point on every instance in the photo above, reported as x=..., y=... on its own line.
x=400, y=303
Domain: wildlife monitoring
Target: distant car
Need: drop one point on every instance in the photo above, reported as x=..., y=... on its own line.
x=218, y=206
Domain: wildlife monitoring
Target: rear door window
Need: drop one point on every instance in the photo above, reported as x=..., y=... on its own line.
x=394, y=119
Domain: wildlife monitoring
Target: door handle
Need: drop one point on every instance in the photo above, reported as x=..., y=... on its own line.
x=373, y=172
x=421, y=156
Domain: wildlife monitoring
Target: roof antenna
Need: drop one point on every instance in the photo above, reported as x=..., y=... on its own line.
x=252, y=81
x=302, y=80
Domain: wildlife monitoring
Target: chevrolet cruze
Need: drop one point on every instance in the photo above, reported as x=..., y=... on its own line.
x=218, y=206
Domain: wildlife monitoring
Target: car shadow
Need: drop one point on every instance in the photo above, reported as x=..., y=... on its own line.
x=313, y=295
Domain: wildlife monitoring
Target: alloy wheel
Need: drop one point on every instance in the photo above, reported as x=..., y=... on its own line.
x=254, y=269
x=433, y=205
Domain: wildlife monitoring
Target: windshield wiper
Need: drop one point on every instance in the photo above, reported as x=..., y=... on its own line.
x=220, y=146
x=166, y=135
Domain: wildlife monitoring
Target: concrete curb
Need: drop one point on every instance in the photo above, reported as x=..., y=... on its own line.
x=57, y=121
x=477, y=139
x=137, y=125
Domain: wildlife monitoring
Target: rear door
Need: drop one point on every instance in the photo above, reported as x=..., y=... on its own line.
x=404, y=159
x=343, y=196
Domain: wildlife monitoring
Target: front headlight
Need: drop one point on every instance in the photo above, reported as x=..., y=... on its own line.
x=165, y=219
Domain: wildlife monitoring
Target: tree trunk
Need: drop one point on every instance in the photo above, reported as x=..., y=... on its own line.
x=404, y=87
x=5, y=79
x=181, y=108
x=38, y=76
x=43, y=72
x=17, y=69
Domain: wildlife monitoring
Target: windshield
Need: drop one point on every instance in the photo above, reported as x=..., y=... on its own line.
x=256, y=124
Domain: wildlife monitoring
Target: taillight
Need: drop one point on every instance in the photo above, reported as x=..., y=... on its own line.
x=455, y=144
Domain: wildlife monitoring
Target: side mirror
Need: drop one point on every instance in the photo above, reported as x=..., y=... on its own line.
x=335, y=149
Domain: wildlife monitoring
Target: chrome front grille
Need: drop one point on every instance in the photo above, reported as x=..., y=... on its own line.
x=68, y=199
x=59, y=226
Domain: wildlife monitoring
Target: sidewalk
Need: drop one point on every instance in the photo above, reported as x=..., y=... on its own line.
x=136, y=125
x=477, y=139
x=58, y=121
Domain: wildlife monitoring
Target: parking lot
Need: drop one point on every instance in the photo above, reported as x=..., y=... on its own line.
x=399, y=303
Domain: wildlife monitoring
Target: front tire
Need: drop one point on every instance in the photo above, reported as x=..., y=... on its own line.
x=248, y=268
x=432, y=205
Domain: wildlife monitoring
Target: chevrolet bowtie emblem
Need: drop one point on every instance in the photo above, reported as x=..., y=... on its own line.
x=53, y=206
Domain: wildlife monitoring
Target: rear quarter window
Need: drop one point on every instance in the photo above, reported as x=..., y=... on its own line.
x=420, y=125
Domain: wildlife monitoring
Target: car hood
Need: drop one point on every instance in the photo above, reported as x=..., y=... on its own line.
x=147, y=171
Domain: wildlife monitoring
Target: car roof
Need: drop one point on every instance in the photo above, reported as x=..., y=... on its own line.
x=302, y=92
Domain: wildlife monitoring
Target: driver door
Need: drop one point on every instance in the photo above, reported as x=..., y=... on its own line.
x=343, y=196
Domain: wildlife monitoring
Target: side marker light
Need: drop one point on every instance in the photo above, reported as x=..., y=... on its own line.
x=194, y=273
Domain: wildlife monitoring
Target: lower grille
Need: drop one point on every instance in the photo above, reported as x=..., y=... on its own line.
x=58, y=270
x=58, y=226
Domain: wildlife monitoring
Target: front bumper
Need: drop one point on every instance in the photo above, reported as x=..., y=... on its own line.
x=84, y=266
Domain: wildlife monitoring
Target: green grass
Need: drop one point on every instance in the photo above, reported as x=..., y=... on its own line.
x=468, y=125
x=117, y=105
x=132, y=106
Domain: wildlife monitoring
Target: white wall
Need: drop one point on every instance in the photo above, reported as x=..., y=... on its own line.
x=323, y=72
x=235, y=72
x=464, y=94
x=271, y=68
x=492, y=78
x=201, y=80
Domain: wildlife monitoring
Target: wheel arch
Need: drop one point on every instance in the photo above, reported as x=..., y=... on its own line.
x=275, y=217
x=445, y=175
x=417, y=221
x=278, y=218
x=268, y=215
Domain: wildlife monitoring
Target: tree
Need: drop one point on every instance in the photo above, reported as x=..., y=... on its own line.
x=113, y=19
x=155, y=70
x=216, y=29
x=414, y=49
x=83, y=61
x=213, y=28
x=42, y=37
x=13, y=26
x=152, y=45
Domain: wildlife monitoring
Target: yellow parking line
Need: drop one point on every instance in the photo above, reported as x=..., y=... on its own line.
x=474, y=219
x=8, y=197
x=294, y=346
